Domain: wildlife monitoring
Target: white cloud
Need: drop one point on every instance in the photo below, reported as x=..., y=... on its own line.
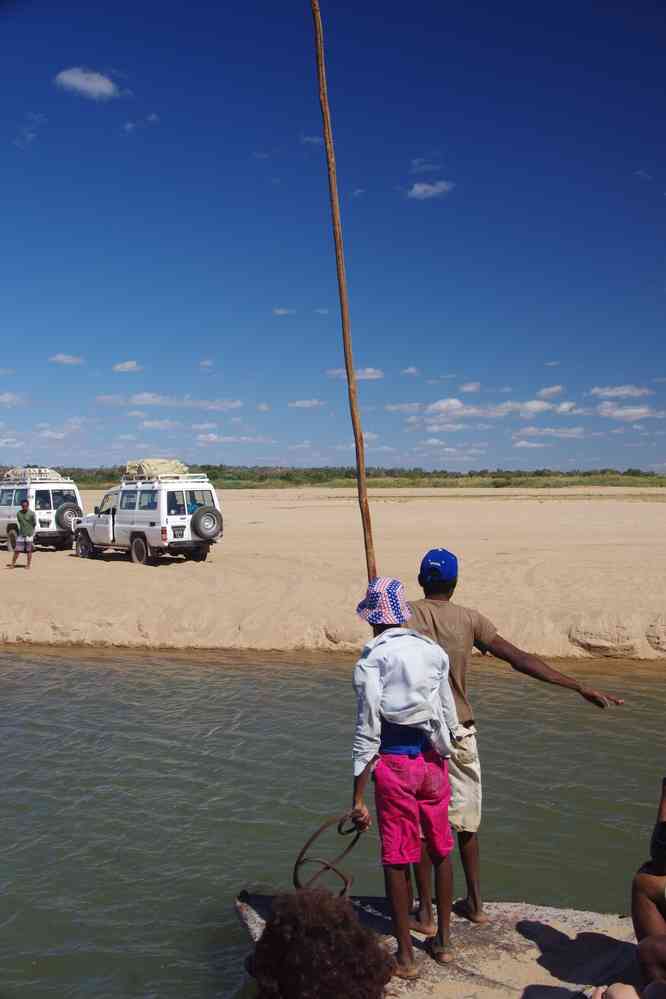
x=306, y=404
x=620, y=391
x=180, y=402
x=280, y=311
x=423, y=192
x=643, y=175
x=204, y=426
x=10, y=442
x=612, y=411
x=263, y=407
x=422, y=165
x=29, y=129
x=410, y=371
x=362, y=374
x=206, y=364
x=357, y=192
x=303, y=446
x=160, y=424
x=52, y=435
x=369, y=437
x=7, y=371
x=139, y=413
x=529, y=444
x=66, y=359
x=531, y=407
x=321, y=312
x=126, y=437
x=659, y=381
x=126, y=367
x=441, y=426
x=87, y=83
x=549, y=391
x=131, y=126
x=470, y=387
x=403, y=407
x=566, y=433
x=505, y=389
x=552, y=364
x=312, y=140
x=215, y=439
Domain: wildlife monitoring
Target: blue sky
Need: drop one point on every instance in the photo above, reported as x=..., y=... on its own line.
x=168, y=280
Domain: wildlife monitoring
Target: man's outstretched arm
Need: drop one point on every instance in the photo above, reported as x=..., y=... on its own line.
x=531, y=665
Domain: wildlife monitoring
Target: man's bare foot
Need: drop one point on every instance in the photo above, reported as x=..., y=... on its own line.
x=464, y=908
x=427, y=929
x=439, y=952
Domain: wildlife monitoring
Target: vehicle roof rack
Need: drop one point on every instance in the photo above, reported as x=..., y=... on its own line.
x=33, y=475
x=173, y=477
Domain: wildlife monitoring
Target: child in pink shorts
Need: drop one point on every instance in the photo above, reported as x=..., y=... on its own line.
x=405, y=717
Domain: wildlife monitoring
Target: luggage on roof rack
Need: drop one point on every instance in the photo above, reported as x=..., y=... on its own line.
x=153, y=468
x=32, y=475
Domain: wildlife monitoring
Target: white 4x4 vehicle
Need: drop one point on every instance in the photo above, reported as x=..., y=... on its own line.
x=55, y=501
x=150, y=516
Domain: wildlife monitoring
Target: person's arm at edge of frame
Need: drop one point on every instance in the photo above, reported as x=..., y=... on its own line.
x=367, y=684
x=531, y=665
x=446, y=697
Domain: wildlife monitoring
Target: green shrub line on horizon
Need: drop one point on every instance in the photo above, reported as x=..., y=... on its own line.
x=332, y=477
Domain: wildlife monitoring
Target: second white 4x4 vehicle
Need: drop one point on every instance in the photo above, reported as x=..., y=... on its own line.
x=150, y=515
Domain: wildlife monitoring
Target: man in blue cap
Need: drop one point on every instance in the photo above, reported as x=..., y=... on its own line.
x=458, y=630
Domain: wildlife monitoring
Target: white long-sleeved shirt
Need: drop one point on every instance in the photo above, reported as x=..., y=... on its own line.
x=402, y=676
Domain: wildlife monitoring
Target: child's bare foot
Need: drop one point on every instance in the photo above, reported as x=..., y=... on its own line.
x=407, y=971
x=464, y=908
x=427, y=929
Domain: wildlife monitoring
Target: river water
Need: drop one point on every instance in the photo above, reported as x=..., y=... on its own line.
x=140, y=794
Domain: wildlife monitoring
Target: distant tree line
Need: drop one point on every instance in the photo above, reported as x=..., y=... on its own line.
x=244, y=475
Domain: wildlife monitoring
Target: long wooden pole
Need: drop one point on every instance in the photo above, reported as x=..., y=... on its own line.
x=344, y=297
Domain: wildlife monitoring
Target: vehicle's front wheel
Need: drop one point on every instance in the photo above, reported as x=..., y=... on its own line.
x=84, y=546
x=12, y=535
x=139, y=553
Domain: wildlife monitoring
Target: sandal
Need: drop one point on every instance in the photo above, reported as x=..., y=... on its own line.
x=441, y=954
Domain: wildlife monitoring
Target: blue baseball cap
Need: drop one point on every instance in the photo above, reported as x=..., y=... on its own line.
x=438, y=566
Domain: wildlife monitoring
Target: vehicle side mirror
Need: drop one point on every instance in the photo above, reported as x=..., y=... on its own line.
x=97, y=511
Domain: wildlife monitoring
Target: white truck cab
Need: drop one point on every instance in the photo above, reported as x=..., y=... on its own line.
x=149, y=515
x=55, y=501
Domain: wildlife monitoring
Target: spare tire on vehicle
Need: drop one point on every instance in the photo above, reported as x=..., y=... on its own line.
x=206, y=523
x=66, y=514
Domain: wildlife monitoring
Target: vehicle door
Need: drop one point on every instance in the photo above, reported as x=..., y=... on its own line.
x=6, y=508
x=196, y=498
x=147, y=517
x=176, y=515
x=125, y=516
x=43, y=508
x=103, y=521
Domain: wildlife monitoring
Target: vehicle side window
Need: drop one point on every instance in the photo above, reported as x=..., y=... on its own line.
x=108, y=503
x=176, y=503
x=61, y=496
x=6, y=496
x=42, y=499
x=128, y=501
x=197, y=498
x=148, y=500
x=19, y=496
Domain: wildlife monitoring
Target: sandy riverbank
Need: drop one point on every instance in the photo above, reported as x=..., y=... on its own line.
x=567, y=572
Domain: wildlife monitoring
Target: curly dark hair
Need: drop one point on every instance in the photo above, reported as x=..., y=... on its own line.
x=314, y=947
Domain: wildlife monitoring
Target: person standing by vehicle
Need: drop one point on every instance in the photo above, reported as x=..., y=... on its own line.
x=458, y=630
x=27, y=525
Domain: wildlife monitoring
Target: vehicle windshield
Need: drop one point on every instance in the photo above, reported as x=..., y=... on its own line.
x=176, y=503
x=109, y=503
x=197, y=498
x=61, y=496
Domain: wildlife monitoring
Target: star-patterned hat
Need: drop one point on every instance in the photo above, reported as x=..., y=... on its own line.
x=384, y=602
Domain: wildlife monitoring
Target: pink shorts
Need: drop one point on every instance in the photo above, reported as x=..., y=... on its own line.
x=412, y=796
